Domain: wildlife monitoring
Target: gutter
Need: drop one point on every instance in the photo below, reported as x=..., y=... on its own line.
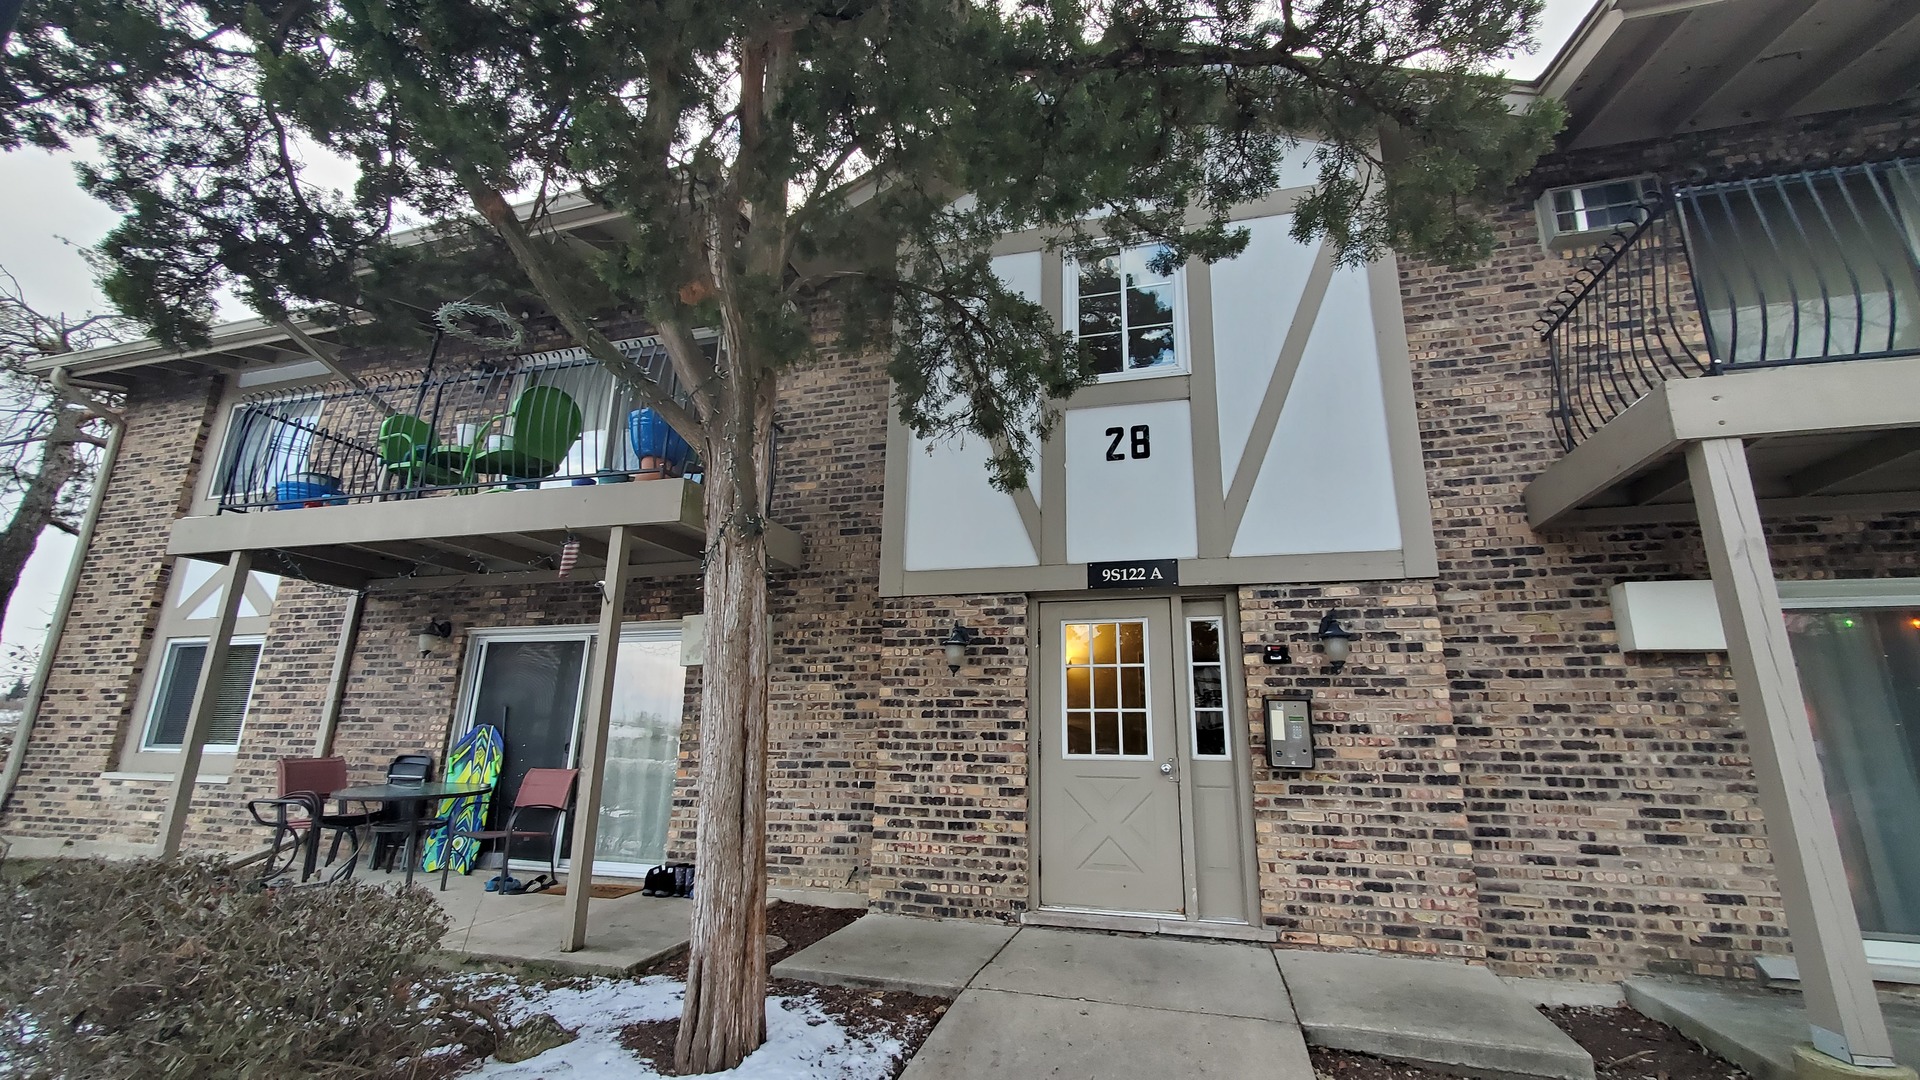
x=17, y=753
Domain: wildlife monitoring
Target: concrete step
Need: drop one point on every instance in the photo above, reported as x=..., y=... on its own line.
x=895, y=952
x=1756, y=1029
x=1446, y=1016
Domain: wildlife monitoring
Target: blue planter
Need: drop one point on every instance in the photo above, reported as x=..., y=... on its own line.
x=314, y=491
x=653, y=437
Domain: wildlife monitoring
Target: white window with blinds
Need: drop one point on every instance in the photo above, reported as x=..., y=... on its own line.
x=173, y=699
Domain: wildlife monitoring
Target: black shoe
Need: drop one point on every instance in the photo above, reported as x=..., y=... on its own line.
x=656, y=882
x=683, y=880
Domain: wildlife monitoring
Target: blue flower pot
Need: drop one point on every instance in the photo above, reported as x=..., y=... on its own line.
x=652, y=437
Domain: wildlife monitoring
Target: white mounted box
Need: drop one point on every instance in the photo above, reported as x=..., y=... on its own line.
x=1667, y=616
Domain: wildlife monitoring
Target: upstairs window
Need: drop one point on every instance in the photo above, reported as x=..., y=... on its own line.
x=1126, y=315
x=1585, y=214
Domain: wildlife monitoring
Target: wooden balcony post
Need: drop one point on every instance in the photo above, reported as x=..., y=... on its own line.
x=1838, y=989
x=593, y=744
x=193, y=743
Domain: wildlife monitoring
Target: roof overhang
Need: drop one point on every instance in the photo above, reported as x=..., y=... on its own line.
x=1649, y=69
x=251, y=344
x=496, y=537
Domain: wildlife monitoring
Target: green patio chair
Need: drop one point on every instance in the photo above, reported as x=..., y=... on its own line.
x=409, y=455
x=546, y=424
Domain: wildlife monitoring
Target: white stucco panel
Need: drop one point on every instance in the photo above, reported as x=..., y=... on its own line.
x=1326, y=484
x=1130, y=496
x=1254, y=298
x=955, y=520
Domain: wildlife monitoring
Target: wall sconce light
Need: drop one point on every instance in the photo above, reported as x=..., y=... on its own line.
x=432, y=634
x=956, y=643
x=1335, y=641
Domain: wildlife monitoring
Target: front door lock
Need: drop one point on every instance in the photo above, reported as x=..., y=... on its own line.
x=1166, y=770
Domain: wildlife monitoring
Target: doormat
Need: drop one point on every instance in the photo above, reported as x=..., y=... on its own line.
x=599, y=892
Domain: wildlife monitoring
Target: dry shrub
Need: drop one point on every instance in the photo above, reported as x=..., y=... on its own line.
x=181, y=968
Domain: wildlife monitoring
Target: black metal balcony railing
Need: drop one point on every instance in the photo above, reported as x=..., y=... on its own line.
x=545, y=420
x=1796, y=268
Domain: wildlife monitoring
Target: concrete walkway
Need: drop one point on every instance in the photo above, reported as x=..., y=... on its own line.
x=1057, y=1003
x=1062, y=1003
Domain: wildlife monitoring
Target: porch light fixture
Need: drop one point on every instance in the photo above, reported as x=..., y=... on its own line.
x=432, y=634
x=956, y=643
x=1335, y=641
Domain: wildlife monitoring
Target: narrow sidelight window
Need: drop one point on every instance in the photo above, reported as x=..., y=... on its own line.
x=1207, y=685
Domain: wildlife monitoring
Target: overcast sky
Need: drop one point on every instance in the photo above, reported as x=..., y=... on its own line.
x=40, y=246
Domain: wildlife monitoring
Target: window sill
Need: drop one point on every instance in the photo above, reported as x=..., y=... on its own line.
x=161, y=777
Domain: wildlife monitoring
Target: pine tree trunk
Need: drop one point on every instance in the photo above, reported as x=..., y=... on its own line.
x=59, y=464
x=724, y=1018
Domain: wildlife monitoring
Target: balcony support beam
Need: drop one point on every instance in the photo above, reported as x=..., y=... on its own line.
x=593, y=745
x=193, y=742
x=1837, y=987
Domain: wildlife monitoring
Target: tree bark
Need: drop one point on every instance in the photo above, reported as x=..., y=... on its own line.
x=59, y=464
x=724, y=1018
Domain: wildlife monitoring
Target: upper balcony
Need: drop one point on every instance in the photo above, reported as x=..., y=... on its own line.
x=447, y=476
x=1783, y=310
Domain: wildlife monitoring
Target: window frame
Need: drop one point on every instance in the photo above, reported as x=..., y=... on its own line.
x=1182, y=350
x=162, y=684
x=1553, y=238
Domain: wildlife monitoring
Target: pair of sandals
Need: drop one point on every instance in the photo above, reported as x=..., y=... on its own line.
x=512, y=886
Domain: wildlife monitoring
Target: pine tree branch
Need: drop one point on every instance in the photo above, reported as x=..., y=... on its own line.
x=493, y=206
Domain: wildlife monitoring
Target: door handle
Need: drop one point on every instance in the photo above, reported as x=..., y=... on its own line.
x=1167, y=770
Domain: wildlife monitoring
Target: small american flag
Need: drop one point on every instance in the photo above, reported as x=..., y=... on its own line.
x=569, y=554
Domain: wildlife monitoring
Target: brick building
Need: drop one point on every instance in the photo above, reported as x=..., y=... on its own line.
x=1490, y=478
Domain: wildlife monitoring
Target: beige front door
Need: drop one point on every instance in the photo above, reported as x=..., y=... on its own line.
x=1138, y=810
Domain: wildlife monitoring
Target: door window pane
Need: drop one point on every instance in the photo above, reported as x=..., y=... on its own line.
x=1105, y=672
x=1206, y=684
x=1860, y=670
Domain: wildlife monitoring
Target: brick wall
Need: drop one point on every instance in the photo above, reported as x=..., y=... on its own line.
x=1609, y=798
x=98, y=662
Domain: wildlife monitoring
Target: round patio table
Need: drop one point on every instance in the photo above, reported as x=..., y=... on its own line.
x=409, y=797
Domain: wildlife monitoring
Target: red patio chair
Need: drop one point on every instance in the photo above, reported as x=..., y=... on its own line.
x=540, y=789
x=305, y=786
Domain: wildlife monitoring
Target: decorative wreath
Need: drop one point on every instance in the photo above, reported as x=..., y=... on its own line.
x=485, y=323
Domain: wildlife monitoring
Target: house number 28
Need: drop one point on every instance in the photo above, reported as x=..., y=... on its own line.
x=1139, y=443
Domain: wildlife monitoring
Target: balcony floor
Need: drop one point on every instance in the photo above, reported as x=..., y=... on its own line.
x=1821, y=438
x=493, y=536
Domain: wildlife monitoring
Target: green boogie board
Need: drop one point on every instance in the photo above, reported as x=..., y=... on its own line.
x=476, y=756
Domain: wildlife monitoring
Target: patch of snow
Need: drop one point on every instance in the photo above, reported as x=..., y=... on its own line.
x=803, y=1042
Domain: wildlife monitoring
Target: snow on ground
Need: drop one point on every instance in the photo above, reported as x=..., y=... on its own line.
x=803, y=1043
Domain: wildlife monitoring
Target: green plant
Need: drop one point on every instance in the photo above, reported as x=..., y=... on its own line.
x=181, y=968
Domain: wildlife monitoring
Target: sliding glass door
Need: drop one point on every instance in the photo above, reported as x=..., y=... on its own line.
x=1860, y=669
x=531, y=685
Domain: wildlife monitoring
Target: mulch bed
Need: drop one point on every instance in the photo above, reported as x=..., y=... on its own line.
x=895, y=1014
x=1625, y=1046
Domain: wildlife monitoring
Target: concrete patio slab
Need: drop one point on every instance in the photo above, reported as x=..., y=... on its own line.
x=995, y=1033
x=1448, y=1016
x=1756, y=1029
x=1218, y=978
x=623, y=934
x=896, y=952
